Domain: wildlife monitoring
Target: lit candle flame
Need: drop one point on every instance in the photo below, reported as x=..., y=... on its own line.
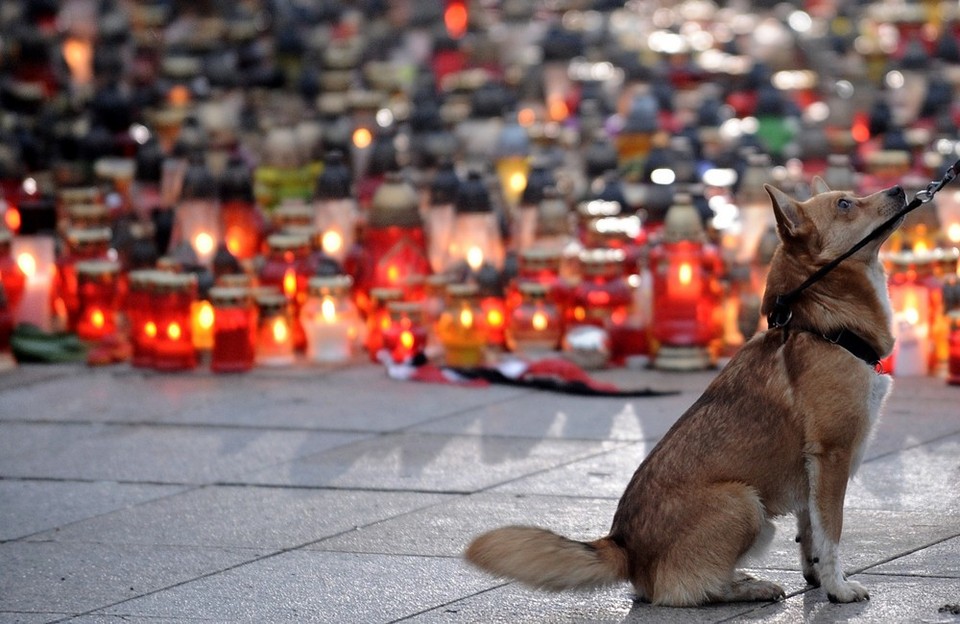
x=12, y=218
x=685, y=273
x=280, y=331
x=174, y=331
x=475, y=257
x=27, y=263
x=517, y=182
x=332, y=241
x=495, y=318
x=328, y=310
x=78, y=54
x=150, y=329
x=205, y=315
x=290, y=283
x=921, y=247
x=362, y=138
x=203, y=243
x=953, y=232
x=406, y=339
x=539, y=321
x=97, y=319
x=466, y=317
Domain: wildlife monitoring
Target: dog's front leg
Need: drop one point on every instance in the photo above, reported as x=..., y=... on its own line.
x=808, y=559
x=828, y=474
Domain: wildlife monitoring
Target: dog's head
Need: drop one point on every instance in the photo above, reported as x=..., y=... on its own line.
x=831, y=222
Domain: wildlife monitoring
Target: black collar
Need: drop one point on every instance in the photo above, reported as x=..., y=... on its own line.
x=850, y=341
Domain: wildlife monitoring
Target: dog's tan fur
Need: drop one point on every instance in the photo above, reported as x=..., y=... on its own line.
x=780, y=430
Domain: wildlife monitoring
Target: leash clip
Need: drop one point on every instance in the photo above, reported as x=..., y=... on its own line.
x=780, y=315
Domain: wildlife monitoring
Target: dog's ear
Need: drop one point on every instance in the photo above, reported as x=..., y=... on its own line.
x=819, y=186
x=785, y=210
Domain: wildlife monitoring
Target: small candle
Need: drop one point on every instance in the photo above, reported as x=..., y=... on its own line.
x=141, y=316
x=173, y=342
x=201, y=324
x=233, y=330
x=274, y=331
x=534, y=327
x=97, y=288
x=405, y=336
x=330, y=321
x=461, y=329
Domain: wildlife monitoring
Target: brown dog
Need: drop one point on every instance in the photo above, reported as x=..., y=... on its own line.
x=780, y=430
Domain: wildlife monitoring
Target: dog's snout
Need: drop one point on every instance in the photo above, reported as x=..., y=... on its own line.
x=896, y=191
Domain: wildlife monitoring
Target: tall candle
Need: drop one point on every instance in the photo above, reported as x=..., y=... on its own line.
x=35, y=256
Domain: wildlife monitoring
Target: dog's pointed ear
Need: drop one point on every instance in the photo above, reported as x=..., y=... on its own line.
x=785, y=210
x=819, y=186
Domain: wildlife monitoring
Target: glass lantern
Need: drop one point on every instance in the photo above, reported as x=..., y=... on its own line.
x=197, y=216
x=98, y=295
x=406, y=334
x=234, y=324
x=535, y=326
x=330, y=320
x=335, y=208
x=274, y=343
x=173, y=294
x=476, y=238
x=461, y=329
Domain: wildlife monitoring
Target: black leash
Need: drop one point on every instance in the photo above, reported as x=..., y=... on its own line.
x=781, y=313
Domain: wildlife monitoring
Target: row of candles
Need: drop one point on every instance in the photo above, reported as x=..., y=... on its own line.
x=664, y=299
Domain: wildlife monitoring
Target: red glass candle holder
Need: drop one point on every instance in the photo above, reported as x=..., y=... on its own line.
x=13, y=278
x=406, y=334
x=173, y=348
x=141, y=316
x=684, y=293
x=97, y=286
x=234, y=321
x=378, y=318
x=287, y=269
x=602, y=298
x=81, y=245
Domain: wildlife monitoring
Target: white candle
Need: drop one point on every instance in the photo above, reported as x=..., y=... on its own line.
x=35, y=255
x=329, y=335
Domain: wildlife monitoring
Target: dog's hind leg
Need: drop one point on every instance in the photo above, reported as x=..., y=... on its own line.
x=715, y=530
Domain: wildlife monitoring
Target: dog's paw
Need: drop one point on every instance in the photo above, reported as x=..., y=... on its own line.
x=848, y=591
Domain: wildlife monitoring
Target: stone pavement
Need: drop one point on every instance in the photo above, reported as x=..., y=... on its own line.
x=339, y=495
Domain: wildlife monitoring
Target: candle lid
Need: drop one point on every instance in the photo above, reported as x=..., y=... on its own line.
x=329, y=285
x=535, y=290
x=287, y=242
x=90, y=269
x=88, y=236
x=88, y=212
x=409, y=309
x=164, y=282
x=224, y=296
x=271, y=302
x=385, y=295
x=79, y=195
x=463, y=291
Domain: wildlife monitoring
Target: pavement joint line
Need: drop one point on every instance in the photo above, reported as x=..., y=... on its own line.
x=911, y=447
x=905, y=553
x=452, y=602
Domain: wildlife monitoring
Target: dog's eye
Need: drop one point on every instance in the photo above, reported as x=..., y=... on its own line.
x=844, y=204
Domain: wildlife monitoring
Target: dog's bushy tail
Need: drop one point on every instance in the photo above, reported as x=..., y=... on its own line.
x=544, y=560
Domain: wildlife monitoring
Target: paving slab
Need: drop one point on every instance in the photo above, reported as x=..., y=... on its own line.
x=307, y=586
x=169, y=454
x=514, y=603
x=899, y=599
x=243, y=517
x=922, y=477
x=445, y=530
x=74, y=578
x=427, y=462
x=29, y=507
x=940, y=560
x=545, y=415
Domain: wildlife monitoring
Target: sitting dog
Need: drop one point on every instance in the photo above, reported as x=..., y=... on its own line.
x=779, y=430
